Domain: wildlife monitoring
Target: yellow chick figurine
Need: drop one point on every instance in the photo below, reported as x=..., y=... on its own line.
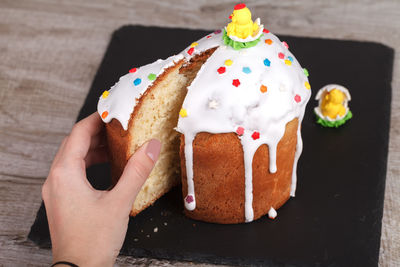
x=241, y=26
x=332, y=104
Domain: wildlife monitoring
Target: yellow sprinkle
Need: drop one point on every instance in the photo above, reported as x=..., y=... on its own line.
x=183, y=112
x=228, y=62
x=288, y=62
x=194, y=44
x=105, y=94
x=307, y=85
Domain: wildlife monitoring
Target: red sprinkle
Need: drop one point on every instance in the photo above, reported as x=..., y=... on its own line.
x=255, y=135
x=221, y=70
x=190, y=51
x=189, y=199
x=133, y=70
x=285, y=45
x=297, y=98
x=240, y=130
x=281, y=55
x=236, y=82
x=208, y=36
x=265, y=31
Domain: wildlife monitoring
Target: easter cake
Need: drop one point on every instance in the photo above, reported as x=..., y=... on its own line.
x=228, y=111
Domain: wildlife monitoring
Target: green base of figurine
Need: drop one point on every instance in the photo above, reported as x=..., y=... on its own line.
x=335, y=124
x=239, y=45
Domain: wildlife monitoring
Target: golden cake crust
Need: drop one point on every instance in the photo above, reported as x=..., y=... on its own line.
x=219, y=183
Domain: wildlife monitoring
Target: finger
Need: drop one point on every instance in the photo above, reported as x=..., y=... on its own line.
x=136, y=172
x=78, y=143
x=99, y=140
x=96, y=156
x=59, y=152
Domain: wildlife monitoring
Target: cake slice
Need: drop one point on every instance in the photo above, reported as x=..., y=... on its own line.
x=142, y=105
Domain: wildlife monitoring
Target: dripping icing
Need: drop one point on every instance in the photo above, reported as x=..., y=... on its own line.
x=235, y=109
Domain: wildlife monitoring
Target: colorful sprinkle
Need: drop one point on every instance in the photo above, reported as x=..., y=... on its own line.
x=132, y=70
x=268, y=41
x=265, y=31
x=288, y=62
x=246, y=70
x=190, y=51
x=152, y=76
x=194, y=44
x=105, y=94
x=305, y=72
x=263, y=88
x=228, y=62
x=290, y=58
x=104, y=114
x=221, y=70
x=267, y=62
x=189, y=199
x=297, y=98
x=208, y=36
x=240, y=130
x=137, y=81
x=183, y=113
x=217, y=31
x=213, y=104
x=255, y=135
x=285, y=45
x=236, y=82
x=281, y=55
x=307, y=85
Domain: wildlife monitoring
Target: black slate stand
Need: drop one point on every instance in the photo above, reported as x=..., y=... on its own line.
x=335, y=218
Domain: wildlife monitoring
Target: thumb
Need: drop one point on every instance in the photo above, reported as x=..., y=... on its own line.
x=136, y=172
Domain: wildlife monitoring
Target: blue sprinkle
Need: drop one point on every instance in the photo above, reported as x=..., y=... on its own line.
x=290, y=58
x=246, y=70
x=267, y=62
x=137, y=81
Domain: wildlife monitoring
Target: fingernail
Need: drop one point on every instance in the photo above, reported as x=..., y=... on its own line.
x=153, y=149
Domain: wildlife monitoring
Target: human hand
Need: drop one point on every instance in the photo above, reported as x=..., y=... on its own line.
x=87, y=226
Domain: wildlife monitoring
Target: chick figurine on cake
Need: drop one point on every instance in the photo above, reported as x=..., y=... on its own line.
x=242, y=32
x=333, y=110
x=241, y=26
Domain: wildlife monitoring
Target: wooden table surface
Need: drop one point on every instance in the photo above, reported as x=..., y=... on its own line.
x=49, y=54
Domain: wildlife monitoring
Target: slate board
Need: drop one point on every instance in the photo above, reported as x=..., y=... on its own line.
x=335, y=218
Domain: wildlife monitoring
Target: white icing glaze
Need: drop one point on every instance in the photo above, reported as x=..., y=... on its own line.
x=123, y=96
x=245, y=105
x=272, y=213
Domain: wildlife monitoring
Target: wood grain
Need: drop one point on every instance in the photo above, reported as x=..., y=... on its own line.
x=50, y=51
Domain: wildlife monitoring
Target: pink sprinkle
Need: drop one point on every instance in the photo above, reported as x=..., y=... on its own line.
x=217, y=31
x=240, y=130
x=189, y=199
x=285, y=45
x=255, y=135
x=281, y=55
x=297, y=98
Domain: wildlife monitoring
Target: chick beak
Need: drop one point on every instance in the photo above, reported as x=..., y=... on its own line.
x=230, y=17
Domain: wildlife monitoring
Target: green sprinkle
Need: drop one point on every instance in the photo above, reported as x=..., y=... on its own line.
x=152, y=77
x=305, y=72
